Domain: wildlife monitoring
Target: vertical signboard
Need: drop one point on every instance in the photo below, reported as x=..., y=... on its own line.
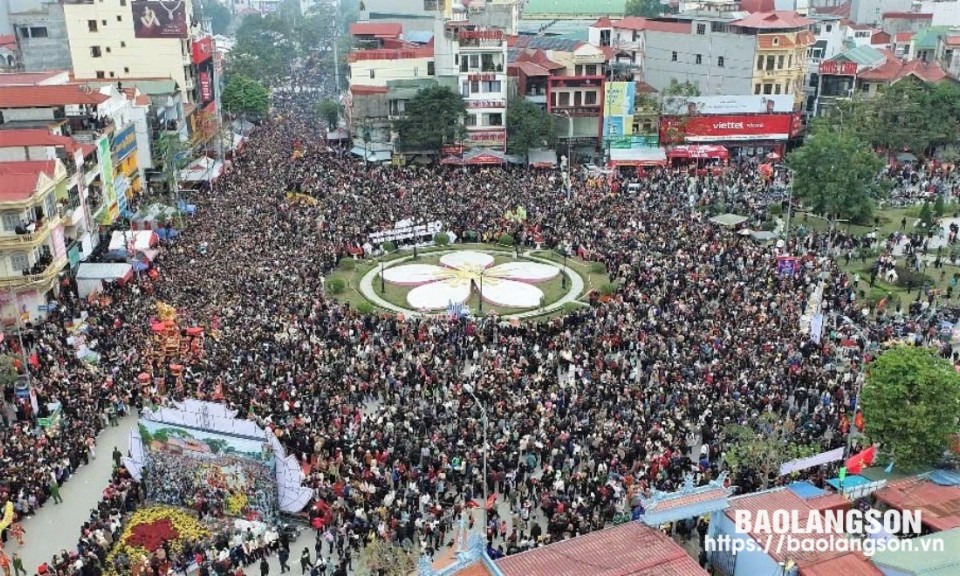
x=106, y=174
x=618, y=113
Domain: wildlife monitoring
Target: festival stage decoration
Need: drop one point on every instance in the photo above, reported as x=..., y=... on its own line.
x=199, y=453
x=8, y=516
x=172, y=345
x=518, y=216
x=147, y=530
x=435, y=287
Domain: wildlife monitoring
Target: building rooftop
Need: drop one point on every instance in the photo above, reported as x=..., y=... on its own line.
x=40, y=137
x=925, y=563
x=631, y=549
x=569, y=8
x=48, y=96
x=20, y=178
x=757, y=6
x=927, y=38
x=377, y=29
x=843, y=10
x=907, y=16
x=847, y=565
x=939, y=505
x=154, y=86
x=863, y=55
x=547, y=43
x=903, y=37
x=31, y=78
x=777, y=20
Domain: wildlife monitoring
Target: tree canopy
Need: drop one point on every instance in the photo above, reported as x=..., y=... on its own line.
x=8, y=371
x=759, y=451
x=219, y=15
x=644, y=8
x=836, y=174
x=910, y=403
x=528, y=127
x=244, y=95
x=329, y=110
x=434, y=117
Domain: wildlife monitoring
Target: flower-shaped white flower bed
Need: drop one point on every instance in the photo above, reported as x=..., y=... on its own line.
x=510, y=284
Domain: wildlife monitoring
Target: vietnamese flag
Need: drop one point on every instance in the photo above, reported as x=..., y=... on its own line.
x=856, y=463
x=472, y=504
x=491, y=501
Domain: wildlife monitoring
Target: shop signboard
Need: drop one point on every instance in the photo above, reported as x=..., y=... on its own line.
x=726, y=128
x=836, y=68
x=124, y=143
x=202, y=49
x=159, y=18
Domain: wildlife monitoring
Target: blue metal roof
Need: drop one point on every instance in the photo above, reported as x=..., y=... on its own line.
x=418, y=36
x=806, y=490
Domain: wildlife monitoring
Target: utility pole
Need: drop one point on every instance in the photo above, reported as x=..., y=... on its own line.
x=336, y=48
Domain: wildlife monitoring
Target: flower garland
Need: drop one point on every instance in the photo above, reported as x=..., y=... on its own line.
x=149, y=528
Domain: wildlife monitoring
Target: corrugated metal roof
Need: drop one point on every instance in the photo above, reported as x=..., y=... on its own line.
x=849, y=565
x=632, y=549
x=939, y=505
x=806, y=490
x=863, y=55
x=925, y=563
x=594, y=8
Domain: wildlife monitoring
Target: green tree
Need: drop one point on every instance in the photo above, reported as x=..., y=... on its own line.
x=644, y=8
x=244, y=95
x=910, y=404
x=899, y=117
x=220, y=17
x=672, y=103
x=762, y=448
x=8, y=371
x=329, y=110
x=836, y=174
x=434, y=117
x=528, y=127
x=926, y=216
x=383, y=558
x=265, y=51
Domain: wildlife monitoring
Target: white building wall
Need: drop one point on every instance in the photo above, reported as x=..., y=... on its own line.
x=379, y=72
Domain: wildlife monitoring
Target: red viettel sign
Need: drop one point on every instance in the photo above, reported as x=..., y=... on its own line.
x=722, y=128
x=481, y=35
x=206, y=87
x=836, y=68
x=202, y=49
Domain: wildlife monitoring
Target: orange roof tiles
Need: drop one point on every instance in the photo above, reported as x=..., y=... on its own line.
x=378, y=29
x=8, y=41
x=20, y=178
x=939, y=505
x=671, y=27
x=773, y=20
x=363, y=90
x=603, y=22
x=848, y=565
x=903, y=37
x=766, y=41
x=757, y=6
x=951, y=40
x=907, y=16
x=531, y=69
x=632, y=549
x=47, y=96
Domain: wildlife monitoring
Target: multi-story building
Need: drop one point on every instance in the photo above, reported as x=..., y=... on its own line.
x=480, y=57
x=828, y=42
x=419, y=15
x=32, y=243
x=871, y=11
x=116, y=39
x=948, y=53
x=41, y=30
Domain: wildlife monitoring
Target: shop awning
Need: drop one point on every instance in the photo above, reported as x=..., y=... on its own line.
x=371, y=155
x=639, y=157
x=698, y=152
x=484, y=157
x=139, y=239
x=202, y=169
x=542, y=158
x=103, y=271
x=728, y=220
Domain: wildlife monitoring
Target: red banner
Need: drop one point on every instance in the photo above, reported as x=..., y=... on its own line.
x=202, y=49
x=838, y=68
x=206, y=87
x=722, y=128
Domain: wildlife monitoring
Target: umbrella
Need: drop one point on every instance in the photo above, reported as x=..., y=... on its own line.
x=745, y=232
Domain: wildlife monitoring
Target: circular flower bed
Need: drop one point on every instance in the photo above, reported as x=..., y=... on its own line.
x=149, y=528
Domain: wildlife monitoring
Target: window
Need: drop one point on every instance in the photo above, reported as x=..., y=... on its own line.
x=470, y=120
x=123, y=44
x=126, y=70
x=10, y=221
x=673, y=57
x=429, y=5
x=465, y=89
x=756, y=88
x=101, y=74
x=463, y=65
x=776, y=41
x=475, y=87
x=770, y=61
x=112, y=75
x=496, y=119
x=590, y=98
x=768, y=88
x=591, y=70
x=578, y=70
x=430, y=69
x=759, y=62
x=92, y=25
x=493, y=86
x=779, y=62
x=104, y=22
x=720, y=62
x=829, y=27
x=123, y=2
x=50, y=205
x=578, y=98
x=416, y=72
x=699, y=59
x=119, y=18
x=373, y=74
x=108, y=49
x=474, y=61
x=486, y=62
x=776, y=88
x=95, y=52
x=790, y=61
x=564, y=98
x=701, y=29
x=816, y=29
x=19, y=261
x=38, y=32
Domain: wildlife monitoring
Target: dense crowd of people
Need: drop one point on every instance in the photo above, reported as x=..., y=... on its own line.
x=586, y=411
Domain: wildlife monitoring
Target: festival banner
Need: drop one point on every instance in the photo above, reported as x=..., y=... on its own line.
x=811, y=461
x=159, y=18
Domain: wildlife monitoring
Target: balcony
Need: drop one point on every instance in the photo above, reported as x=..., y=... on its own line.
x=43, y=272
x=30, y=240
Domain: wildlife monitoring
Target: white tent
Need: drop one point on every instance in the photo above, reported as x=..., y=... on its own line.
x=202, y=169
x=141, y=240
x=90, y=277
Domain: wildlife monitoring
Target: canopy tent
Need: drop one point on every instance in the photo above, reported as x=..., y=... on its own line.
x=542, y=158
x=140, y=239
x=152, y=217
x=90, y=277
x=371, y=154
x=484, y=157
x=338, y=134
x=728, y=220
x=698, y=152
x=202, y=169
x=638, y=157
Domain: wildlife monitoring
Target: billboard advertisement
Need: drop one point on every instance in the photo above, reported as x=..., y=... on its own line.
x=229, y=474
x=726, y=128
x=124, y=143
x=105, y=160
x=205, y=81
x=202, y=49
x=618, y=113
x=159, y=18
x=708, y=105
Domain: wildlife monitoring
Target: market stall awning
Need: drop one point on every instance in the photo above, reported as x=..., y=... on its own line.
x=137, y=239
x=452, y=161
x=728, y=220
x=104, y=271
x=639, y=157
x=371, y=155
x=484, y=157
x=202, y=169
x=542, y=158
x=698, y=152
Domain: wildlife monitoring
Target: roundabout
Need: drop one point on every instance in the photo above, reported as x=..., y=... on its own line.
x=480, y=281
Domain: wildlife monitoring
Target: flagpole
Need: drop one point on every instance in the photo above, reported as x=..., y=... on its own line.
x=23, y=351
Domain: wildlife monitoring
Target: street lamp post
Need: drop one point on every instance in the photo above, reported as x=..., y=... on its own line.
x=480, y=308
x=383, y=289
x=483, y=416
x=563, y=273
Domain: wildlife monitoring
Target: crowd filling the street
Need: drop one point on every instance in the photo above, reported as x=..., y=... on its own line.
x=585, y=410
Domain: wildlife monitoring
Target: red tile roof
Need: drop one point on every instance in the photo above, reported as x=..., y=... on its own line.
x=20, y=178
x=903, y=37
x=690, y=499
x=26, y=78
x=848, y=565
x=644, y=88
x=632, y=549
x=951, y=40
x=631, y=23
x=841, y=10
x=939, y=505
x=360, y=89
x=907, y=16
x=773, y=20
x=672, y=27
x=603, y=22
x=37, y=137
x=887, y=72
x=757, y=6
x=926, y=71
x=8, y=41
x=880, y=38
x=781, y=499
x=378, y=29
x=47, y=96
x=531, y=69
